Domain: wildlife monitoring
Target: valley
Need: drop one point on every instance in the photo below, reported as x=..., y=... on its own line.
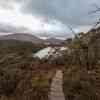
x=49, y=49
x=28, y=70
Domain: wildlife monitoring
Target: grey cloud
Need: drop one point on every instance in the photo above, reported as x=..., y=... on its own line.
x=7, y=4
x=74, y=12
x=68, y=12
x=5, y=28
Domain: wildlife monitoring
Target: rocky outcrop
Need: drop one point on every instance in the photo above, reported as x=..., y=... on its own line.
x=85, y=50
x=82, y=74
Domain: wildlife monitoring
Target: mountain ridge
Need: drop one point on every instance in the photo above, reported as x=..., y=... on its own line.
x=30, y=38
x=22, y=37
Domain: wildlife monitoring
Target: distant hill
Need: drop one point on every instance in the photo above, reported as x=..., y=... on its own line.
x=22, y=37
x=54, y=41
x=30, y=38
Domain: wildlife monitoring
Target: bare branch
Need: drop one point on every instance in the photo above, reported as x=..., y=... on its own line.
x=96, y=6
x=73, y=32
x=95, y=11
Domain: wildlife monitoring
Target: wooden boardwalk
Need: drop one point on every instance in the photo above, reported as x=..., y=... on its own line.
x=56, y=91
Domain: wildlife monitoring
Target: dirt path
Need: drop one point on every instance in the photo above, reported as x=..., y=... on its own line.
x=56, y=92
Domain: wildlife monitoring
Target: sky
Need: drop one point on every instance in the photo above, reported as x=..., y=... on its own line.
x=47, y=18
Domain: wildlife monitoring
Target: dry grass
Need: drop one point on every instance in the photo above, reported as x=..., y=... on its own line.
x=21, y=76
x=82, y=84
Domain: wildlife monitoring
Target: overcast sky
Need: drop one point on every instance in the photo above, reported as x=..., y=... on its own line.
x=47, y=18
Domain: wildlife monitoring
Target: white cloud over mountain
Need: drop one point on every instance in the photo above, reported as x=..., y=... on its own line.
x=46, y=17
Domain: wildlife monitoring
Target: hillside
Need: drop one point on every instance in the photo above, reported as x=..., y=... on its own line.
x=82, y=71
x=21, y=76
x=22, y=37
x=54, y=41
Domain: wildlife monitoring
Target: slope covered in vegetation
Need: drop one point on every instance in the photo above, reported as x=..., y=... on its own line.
x=82, y=71
x=21, y=76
